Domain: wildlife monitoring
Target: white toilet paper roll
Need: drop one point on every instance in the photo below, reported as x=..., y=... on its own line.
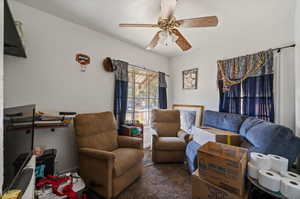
x=278, y=163
x=252, y=171
x=290, y=188
x=291, y=175
x=283, y=186
x=260, y=161
x=269, y=180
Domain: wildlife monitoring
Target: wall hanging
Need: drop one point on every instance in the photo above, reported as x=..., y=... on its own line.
x=83, y=60
x=107, y=65
x=190, y=116
x=190, y=79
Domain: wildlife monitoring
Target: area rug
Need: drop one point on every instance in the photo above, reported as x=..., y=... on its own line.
x=159, y=181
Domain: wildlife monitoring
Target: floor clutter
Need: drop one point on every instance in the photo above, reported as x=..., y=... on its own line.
x=225, y=167
x=206, y=190
x=68, y=186
x=222, y=170
x=272, y=173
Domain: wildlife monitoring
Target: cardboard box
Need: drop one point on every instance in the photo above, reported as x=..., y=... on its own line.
x=223, y=165
x=203, y=135
x=201, y=189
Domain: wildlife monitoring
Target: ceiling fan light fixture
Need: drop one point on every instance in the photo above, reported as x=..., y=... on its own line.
x=174, y=38
x=167, y=37
x=169, y=25
x=163, y=38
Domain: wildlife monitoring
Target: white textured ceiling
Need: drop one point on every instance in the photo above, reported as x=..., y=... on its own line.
x=239, y=19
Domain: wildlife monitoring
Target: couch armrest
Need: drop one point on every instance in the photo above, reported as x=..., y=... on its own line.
x=96, y=168
x=155, y=137
x=184, y=136
x=97, y=154
x=130, y=142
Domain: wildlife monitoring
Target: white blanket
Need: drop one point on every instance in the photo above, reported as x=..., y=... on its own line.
x=202, y=136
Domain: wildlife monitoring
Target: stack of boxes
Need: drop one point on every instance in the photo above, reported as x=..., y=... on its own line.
x=203, y=135
x=221, y=173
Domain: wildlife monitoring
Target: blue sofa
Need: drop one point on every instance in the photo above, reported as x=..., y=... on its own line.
x=257, y=135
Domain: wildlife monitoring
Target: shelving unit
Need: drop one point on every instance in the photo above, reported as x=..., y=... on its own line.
x=127, y=130
x=44, y=126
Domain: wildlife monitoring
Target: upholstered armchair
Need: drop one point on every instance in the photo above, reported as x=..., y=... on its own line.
x=169, y=141
x=108, y=162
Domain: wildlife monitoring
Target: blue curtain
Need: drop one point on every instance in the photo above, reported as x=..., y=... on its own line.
x=162, y=91
x=255, y=73
x=121, y=91
x=230, y=101
x=258, y=97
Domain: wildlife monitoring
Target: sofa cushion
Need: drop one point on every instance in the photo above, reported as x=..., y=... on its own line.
x=224, y=121
x=259, y=133
x=270, y=138
x=126, y=158
x=169, y=143
x=166, y=122
x=165, y=129
x=162, y=115
x=96, y=130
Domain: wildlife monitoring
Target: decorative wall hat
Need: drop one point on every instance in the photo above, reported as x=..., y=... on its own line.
x=107, y=65
x=83, y=60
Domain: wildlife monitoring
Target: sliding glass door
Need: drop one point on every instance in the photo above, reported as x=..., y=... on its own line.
x=142, y=95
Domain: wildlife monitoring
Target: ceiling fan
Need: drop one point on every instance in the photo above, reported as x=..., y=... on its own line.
x=168, y=25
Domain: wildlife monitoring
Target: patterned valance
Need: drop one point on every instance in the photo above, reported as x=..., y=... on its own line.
x=234, y=71
x=121, y=70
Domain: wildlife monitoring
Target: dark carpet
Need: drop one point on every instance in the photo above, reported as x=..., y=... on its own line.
x=159, y=181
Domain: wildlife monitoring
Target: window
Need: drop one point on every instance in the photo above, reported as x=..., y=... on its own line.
x=142, y=95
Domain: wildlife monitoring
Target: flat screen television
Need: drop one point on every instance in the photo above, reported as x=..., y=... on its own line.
x=18, y=141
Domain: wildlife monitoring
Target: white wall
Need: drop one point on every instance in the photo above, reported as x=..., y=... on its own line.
x=297, y=66
x=1, y=94
x=267, y=34
x=51, y=78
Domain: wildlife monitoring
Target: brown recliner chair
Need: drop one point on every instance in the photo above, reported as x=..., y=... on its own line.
x=108, y=162
x=169, y=142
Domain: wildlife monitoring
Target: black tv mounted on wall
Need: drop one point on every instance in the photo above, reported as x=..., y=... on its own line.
x=18, y=139
x=12, y=41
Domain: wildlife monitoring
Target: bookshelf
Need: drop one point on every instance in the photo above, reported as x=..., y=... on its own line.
x=42, y=121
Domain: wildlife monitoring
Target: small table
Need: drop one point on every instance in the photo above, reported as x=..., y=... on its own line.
x=126, y=130
x=254, y=184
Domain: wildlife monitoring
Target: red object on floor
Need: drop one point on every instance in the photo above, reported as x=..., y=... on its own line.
x=56, y=182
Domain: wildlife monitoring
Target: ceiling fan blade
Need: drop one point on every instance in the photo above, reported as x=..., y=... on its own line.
x=167, y=8
x=154, y=41
x=181, y=41
x=126, y=25
x=210, y=21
